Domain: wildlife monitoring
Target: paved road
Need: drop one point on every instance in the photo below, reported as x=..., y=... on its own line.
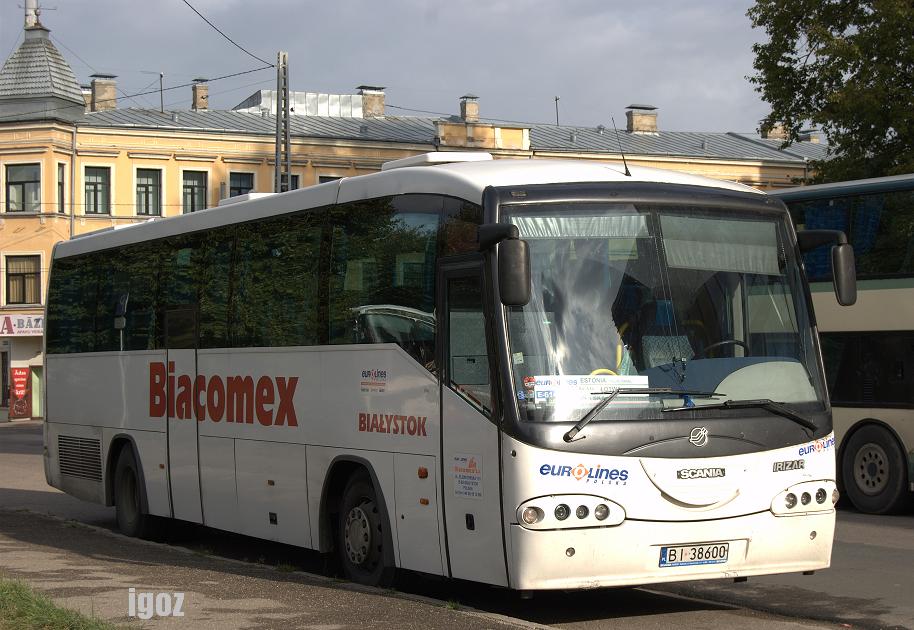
x=869, y=585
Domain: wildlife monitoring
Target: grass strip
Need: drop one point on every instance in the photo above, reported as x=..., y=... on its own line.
x=21, y=608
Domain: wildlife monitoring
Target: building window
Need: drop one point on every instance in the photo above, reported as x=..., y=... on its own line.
x=293, y=182
x=194, y=191
x=98, y=190
x=61, y=183
x=23, y=279
x=323, y=179
x=240, y=183
x=149, y=191
x=23, y=188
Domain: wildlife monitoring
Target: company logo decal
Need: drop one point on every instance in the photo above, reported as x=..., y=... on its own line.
x=701, y=473
x=795, y=464
x=817, y=446
x=699, y=436
x=596, y=474
x=373, y=381
x=392, y=423
x=234, y=398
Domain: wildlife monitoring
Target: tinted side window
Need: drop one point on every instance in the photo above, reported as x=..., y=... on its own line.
x=382, y=273
x=275, y=283
x=71, y=306
x=215, y=260
x=870, y=369
x=461, y=219
x=143, y=331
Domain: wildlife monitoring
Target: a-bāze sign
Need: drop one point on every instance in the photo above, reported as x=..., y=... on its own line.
x=20, y=325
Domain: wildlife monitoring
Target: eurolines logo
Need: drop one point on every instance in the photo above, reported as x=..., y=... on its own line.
x=817, y=446
x=597, y=474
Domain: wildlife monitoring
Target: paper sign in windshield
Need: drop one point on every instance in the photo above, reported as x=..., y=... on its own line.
x=583, y=387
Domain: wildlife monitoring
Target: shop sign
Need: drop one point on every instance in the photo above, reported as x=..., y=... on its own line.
x=21, y=325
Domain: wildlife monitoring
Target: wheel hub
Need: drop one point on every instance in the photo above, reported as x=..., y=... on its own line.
x=357, y=536
x=871, y=469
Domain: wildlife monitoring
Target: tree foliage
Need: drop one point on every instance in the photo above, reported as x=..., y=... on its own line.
x=846, y=66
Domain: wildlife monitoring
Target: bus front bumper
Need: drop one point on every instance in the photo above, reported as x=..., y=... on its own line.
x=629, y=554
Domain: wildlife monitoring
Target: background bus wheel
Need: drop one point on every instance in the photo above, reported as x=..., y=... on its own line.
x=874, y=471
x=128, y=497
x=363, y=534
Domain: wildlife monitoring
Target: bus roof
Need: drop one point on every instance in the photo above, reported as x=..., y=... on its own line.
x=464, y=180
x=847, y=189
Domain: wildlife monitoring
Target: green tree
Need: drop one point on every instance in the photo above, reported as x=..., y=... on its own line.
x=846, y=66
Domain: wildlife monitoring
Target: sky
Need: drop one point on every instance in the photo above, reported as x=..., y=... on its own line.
x=689, y=59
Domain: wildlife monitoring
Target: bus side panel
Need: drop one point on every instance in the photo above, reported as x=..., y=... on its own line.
x=217, y=483
x=272, y=491
x=75, y=460
x=416, y=507
x=319, y=459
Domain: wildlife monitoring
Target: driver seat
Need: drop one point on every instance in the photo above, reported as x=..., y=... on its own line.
x=658, y=345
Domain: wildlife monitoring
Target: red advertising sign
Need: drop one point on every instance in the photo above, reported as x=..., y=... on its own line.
x=20, y=393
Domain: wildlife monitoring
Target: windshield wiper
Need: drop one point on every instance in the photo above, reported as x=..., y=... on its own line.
x=611, y=394
x=777, y=408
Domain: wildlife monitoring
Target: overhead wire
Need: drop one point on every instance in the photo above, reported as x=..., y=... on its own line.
x=234, y=43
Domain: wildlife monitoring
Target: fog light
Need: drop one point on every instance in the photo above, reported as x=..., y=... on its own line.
x=582, y=511
x=835, y=495
x=821, y=495
x=531, y=515
x=562, y=511
x=601, y=511
x=805, y=498
x=790, y=500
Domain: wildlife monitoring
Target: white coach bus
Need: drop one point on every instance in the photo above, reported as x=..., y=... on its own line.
x=533, y=374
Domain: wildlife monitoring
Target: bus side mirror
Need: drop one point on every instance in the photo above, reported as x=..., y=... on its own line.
x=514, y=272
x=844, y=274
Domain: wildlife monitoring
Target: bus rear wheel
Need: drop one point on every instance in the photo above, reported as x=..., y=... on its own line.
x=128, y=497
x=363, y=535
x=874, y=471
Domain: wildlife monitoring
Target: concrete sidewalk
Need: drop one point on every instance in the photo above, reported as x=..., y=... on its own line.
x=89, y=569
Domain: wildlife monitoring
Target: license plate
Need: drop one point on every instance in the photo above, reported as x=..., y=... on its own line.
x=686, y=555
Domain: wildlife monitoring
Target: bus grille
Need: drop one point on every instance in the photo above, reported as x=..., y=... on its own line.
x=79, y=457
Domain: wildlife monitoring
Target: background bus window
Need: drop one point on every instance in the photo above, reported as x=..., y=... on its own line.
x=870, y=369
x=468, y=357
x=382, y=273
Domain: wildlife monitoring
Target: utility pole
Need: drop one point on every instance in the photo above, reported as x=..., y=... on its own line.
x=556, y=111
x=283, y=178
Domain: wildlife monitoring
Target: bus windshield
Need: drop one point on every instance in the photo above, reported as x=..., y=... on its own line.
x=690, y=298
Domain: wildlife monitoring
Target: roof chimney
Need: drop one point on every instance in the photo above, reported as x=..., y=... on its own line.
x=31, y=13
x=469, y=108
x=777, y=131
x=641, y=119
x=104, y=93
x=200, y=92
x=372, y=100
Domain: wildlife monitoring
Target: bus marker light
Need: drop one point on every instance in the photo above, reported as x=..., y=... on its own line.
x=805, y=498
x=423, y=501
x=601, y=511
x=423, y=472
x=582, y=511
x=812, y=535
x=821, y=495
x=569, y=552
x=531, y=515
x=790, y=500
x=562, y=511
x=835, y=495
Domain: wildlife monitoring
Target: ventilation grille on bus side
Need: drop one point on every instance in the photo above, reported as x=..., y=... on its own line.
x=79, y=457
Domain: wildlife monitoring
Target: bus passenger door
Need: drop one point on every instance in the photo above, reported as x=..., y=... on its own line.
x=470, y=464
x=183, y=460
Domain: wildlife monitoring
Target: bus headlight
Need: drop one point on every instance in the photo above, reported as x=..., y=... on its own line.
x=798, y=498
x=554, y=512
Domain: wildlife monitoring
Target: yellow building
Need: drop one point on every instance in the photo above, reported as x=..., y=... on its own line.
x=71, y=162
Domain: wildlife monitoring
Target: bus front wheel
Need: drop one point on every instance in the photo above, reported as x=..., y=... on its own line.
x=364, y=538
x=128, y=493
x=874, y=471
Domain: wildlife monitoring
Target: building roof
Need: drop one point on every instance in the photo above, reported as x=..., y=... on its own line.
x=422, y=130
x=37, y=69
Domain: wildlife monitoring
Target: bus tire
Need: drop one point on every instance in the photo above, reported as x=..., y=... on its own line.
x=129, y=497
x=364, y=539
x=874, y=471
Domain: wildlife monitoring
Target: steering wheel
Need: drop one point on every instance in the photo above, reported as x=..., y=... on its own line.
x=725, y=342
x=603, y=371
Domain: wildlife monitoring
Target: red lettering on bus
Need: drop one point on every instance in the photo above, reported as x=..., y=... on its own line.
x=394, y=424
